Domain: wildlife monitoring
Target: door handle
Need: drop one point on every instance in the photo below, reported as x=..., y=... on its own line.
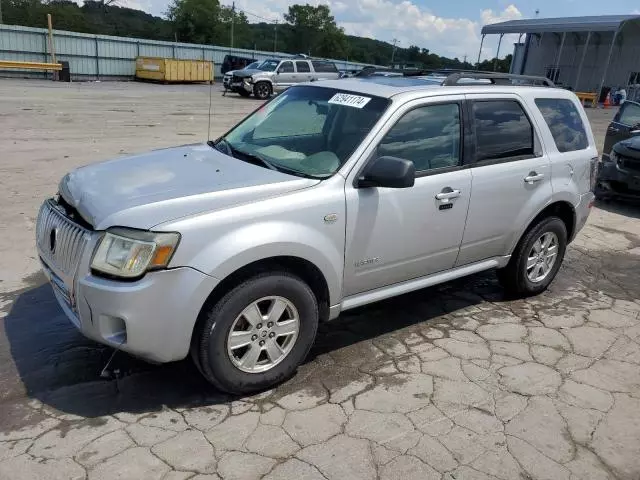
x=533, y=177
x=445, y=196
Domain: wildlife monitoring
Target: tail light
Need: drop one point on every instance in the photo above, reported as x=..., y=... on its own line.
x=593, y=173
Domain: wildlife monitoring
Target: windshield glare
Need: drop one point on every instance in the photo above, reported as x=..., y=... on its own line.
x=268, y=65
x=308, y=130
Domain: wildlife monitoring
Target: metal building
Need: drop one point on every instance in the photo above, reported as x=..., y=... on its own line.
x=587, y=54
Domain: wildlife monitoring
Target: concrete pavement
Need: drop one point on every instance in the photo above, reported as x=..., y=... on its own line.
x=453, y=382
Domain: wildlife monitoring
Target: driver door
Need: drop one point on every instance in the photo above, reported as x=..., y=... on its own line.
x=394, y=235
x=286, y=75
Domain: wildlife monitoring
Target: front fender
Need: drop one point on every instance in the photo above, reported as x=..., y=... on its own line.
x=264, y=240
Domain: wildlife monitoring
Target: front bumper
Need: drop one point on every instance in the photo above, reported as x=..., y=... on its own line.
x=152, y=318
x=236, y=86
x=612, y=181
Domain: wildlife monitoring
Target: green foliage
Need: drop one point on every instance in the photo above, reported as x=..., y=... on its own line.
x=314, y=31
x=308, y=29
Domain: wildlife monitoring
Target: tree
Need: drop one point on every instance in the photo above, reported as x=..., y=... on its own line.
x=314, y=31
x=195, y=20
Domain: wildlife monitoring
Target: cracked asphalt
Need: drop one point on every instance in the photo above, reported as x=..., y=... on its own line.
x=452, y=382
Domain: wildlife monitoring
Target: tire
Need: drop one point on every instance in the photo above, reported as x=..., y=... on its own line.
x=220, y=365
x=515, y=277
x=243, y=93
x=262, y=90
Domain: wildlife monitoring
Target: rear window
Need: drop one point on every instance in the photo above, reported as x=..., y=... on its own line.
x=630, y=114
x=503, y=130
x=324, y=67
x=564, y=122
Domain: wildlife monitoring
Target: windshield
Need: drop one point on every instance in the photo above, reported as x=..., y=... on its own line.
x=251, y=66
x=306, y=130
x=268, y=65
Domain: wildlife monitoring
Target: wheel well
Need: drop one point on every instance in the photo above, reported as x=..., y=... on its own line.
x=300, y=267
x=564, y=211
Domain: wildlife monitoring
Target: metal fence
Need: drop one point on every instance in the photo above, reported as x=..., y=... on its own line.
x=106, y=57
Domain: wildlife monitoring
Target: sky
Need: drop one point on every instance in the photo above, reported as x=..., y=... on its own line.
x=448, y=27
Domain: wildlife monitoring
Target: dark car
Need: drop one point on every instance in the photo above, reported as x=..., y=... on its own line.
x=619, y=171
x=233, y=62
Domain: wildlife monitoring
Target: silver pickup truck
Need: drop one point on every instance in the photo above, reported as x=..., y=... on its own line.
x=333, y=195
x=276, y=75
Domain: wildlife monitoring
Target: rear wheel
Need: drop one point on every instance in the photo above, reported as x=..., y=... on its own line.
x=537, y=258
x=257, y=334
x=262, y=90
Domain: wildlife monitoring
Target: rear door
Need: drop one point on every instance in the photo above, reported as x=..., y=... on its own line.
x=303, y=71
x=511, y=176
x=626, y=120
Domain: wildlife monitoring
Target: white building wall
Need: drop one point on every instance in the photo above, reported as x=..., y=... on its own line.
x=625, y=57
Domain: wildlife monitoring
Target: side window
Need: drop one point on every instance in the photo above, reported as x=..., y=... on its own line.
x=293, y=119
x=285, y=67
x=629, y=114
x=428, y=136
x=324, y=67
x=302, y=67
x=565, y=123
x=502, y=130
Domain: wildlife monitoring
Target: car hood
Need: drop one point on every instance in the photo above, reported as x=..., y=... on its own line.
x=145, y=190
x=249, y=73
x=628, y=148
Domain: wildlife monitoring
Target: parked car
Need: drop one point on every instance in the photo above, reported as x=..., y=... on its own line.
x=234, y=62
x=619, y=171
x=333, y=195
x=276, y=75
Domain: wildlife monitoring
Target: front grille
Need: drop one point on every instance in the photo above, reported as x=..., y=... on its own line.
x=61, y=241
x=629, y=163
x=236, y=79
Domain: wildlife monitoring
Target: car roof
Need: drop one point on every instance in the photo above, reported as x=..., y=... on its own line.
x=388, y=87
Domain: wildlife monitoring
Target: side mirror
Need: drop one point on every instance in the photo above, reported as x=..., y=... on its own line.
x=388, y=172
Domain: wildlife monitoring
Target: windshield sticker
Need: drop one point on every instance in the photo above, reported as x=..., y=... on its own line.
x=349, y=100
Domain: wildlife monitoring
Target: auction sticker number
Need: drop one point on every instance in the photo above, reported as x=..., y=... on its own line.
x=349, y=100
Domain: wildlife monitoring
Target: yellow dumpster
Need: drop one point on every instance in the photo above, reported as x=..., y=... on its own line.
x=173, y=70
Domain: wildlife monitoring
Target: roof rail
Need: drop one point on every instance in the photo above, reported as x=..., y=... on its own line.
x=498, y=79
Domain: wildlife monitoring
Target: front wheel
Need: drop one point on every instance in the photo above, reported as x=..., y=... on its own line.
x=257, y=334
x=262, y=90
x=537, y=258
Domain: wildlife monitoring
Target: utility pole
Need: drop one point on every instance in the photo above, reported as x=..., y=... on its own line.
x=275, y=38
x=393, y=52
x=233, y=18
x=464, y=61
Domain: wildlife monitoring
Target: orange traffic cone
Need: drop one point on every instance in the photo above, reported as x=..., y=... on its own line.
x=607, y=100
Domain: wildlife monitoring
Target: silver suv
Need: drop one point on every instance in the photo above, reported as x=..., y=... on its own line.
x=331, y=196
x=277, y=75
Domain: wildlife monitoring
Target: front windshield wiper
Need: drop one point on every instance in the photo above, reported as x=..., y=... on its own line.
x=251, y=157
x=222, y=146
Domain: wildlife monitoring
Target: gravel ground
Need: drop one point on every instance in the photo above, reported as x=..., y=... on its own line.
x=452, y=382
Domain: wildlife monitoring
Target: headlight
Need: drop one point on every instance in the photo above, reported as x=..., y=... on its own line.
x=128, y=253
